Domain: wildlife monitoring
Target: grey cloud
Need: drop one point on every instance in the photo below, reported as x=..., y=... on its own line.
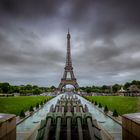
x=109, y=60
x=27, y=56
x=30, y=8
x=105, y=40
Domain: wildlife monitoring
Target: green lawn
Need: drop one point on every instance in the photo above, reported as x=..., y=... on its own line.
x=14, y=105
x=123, y=105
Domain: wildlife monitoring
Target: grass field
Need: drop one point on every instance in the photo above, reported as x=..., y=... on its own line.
x=123, y=105
x=14, y=105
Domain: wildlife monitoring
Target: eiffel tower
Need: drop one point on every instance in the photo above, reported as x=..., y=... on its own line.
x=68, y=76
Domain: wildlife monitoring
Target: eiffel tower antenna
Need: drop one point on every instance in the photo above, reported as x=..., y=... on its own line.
x=68, y=76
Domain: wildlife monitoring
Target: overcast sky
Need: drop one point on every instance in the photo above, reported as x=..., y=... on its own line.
x=105, y=41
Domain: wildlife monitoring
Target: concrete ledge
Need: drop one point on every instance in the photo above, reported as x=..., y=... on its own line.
x=28, y=114
x=7, y=126
x=131, y=126
x=109, y=114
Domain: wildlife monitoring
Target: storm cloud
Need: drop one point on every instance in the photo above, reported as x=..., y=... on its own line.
x=105, y=41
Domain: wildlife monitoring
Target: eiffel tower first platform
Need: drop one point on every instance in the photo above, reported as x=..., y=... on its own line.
x=68, y=76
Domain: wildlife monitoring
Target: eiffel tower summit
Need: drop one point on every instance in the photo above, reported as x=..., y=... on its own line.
x=68, y=76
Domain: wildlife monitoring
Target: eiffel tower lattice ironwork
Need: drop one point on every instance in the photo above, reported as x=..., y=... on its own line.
x=68, y=76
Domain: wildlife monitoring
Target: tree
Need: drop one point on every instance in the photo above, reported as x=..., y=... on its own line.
x=127, y=85
x=115, y=88
x=28, y=87
x=45, y=101
x=82, y=88
x=1, y=90
x=53, y=87
x=23, y=92
x=88, y=90
x=31, y=109
x=36, y=91
x=100, y=106
x=104, y=88
x=96, y=103
x=41, y=103
x=16, y=89
x=22, y=114
x=37, y=105
x=5, y=87
x=35, y=86
x=106, y=109
x=115, y=113
x=135, y=82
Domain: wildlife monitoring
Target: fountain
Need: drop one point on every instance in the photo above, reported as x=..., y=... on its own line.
x=29, y=130
x=68, y=118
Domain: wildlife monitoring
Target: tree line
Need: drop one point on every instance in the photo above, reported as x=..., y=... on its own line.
x=24, y=89
x=34, y=89
x=108, y=89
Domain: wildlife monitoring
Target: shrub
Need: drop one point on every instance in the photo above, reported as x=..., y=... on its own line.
x=100, y=106
x=45, y=101
x=115, y=113
x=92, y=101
x=41, y=103
x=96, y=103
x=22, y=114
x=31, y=109
x=37, y=105
x=106, y=109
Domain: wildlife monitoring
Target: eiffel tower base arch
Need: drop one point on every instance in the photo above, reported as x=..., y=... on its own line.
x=64, y=82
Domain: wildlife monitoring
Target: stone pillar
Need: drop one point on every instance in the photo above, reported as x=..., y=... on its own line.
x=7, y=127
x=131, y=126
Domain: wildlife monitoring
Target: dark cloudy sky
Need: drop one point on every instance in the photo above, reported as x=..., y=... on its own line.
x=105, y=40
